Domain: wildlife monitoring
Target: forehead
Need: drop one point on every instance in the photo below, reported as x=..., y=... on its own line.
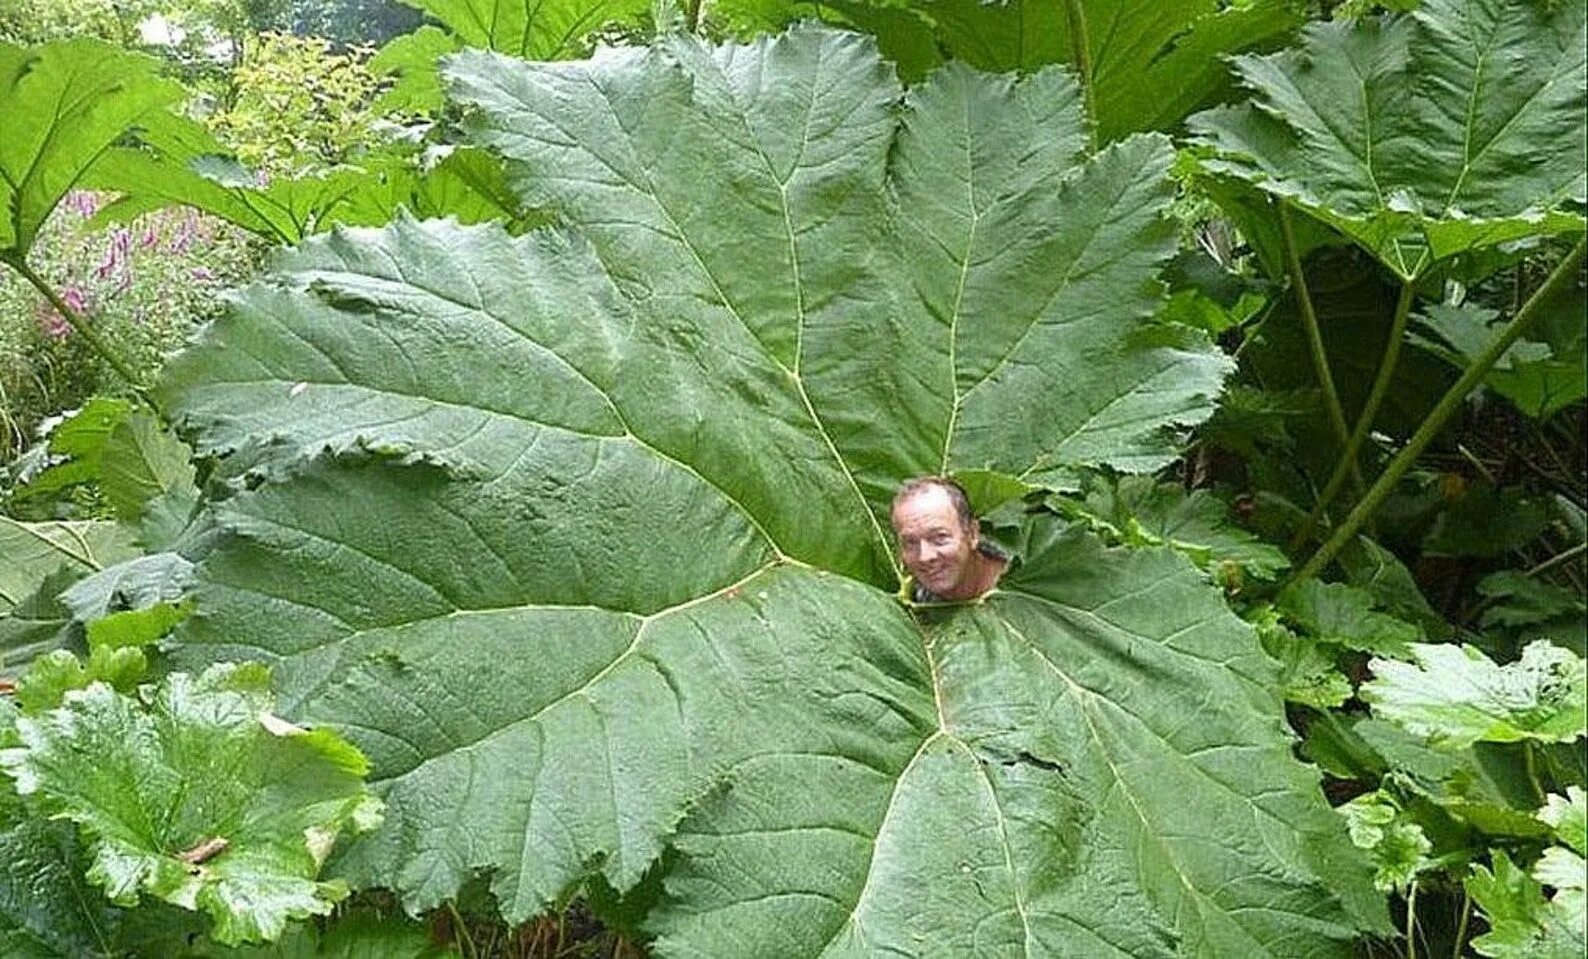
x=929, y=506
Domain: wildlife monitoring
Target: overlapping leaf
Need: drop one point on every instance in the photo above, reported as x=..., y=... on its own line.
x=1456, y=127
x=204, y=800
x=1459, y=696
x=1197, y=523
x=546, y=30
x=64, y=104
x=178, y=161
x=1151, y=63
x=1539, y=378
x=37, y=562
x=1523, y=924
x=597, y=561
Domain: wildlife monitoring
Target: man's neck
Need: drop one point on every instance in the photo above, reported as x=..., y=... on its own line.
x=984, y=574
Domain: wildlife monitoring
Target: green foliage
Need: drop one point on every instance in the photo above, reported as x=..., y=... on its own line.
x=1539, y=378
x=75, y=448
x=64, y=104
x=1147, y=64
x=33, y=551
x=1395, y=840
x=626, y=453
x=352, y=934
x=29, y=22
x=1140, y=512
x=1346, y=616
x=48, y=909
x=201, y=798
x=300, y=107
x=1458, y=696
x=548, y=30
x=1523, y=924
x=671, y=429
x=1308, y=668
x=1407, y=136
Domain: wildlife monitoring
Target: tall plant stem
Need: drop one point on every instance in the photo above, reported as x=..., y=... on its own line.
x=1081, y=51
x=82, y=324
x=1320, y=358
x=1565, y=273
x=1364, y=421
x=1411, y=922
x=1461, y=927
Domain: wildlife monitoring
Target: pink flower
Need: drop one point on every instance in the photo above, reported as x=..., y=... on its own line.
x=150, y=237
x=51, y=323
x=75, y=299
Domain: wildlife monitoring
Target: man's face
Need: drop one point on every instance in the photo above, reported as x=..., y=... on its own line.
x=938, y=551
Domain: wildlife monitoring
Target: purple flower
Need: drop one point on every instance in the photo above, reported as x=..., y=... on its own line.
x=183, y=237
x=82, y=202
x=151, y=236
x=201, y=273
x=116, y=254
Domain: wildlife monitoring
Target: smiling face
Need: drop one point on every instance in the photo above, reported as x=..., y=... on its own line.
x=939, y=549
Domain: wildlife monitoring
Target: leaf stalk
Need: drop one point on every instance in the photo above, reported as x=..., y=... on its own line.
x=1364, y=421
x=1320, y=356
x=80, y=323
x=1461, y=927
x=1564, y=273
x=1411, y=922
x=1081, y=53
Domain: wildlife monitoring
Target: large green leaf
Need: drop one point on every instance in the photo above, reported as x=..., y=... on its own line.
x=76, y=448
x=204, y=799
x=37, y=562
x=47, y=907
x=1346, y=616
x=1142, y=512
x=1456, y=127
x=597, y=561
x=29, y=552
x=1152, y=63
x=177, y=160
x=64, y=104
x=1459, y=696
x=545, y=30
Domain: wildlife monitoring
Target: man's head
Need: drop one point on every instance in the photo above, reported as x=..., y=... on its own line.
x=938, y=535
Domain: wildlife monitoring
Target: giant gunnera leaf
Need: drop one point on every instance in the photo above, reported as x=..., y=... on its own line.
x=582, y=535
x=1458, y=126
